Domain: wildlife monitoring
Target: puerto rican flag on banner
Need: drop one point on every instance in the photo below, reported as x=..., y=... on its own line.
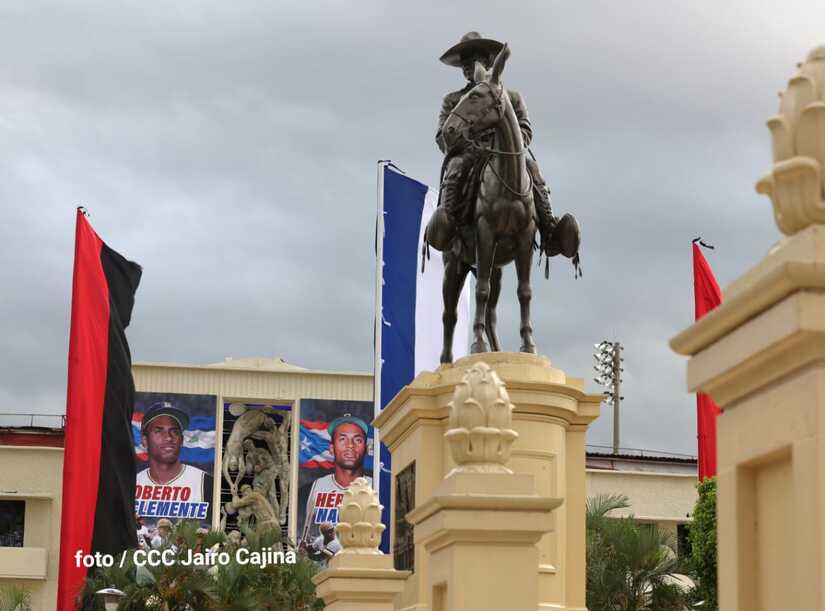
x=198, y=440
x=314, y=453
x=408, y=331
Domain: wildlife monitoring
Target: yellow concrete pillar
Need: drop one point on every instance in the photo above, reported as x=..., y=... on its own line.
x=359, y=577
x=359, y=583
x=761, y=356
x=480, y=532
x=575, y=500
x=551, y=414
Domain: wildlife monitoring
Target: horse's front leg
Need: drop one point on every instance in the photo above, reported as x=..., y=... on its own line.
x=485, y=249
x=495, y=291
x=455, y=273
x=524, y=262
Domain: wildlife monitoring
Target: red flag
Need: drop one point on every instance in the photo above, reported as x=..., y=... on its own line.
x=98, y=462
x=706, y=295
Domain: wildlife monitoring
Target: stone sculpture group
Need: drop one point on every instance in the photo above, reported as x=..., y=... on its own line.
x=257, y=505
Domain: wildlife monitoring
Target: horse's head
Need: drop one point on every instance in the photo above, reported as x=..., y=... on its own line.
x=482, y=107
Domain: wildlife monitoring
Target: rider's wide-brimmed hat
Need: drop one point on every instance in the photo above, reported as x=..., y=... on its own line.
x=471, y=44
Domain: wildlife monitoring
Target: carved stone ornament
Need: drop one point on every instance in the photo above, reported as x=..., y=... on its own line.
x=481, y=416
x=359, y=525
x=796, y=185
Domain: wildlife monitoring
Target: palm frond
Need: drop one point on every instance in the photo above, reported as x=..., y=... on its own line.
x=598, y=507
x=630, y=566
x=14, y=598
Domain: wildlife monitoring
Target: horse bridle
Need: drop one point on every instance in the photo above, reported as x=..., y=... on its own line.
x=499, y=107
x=469, y=123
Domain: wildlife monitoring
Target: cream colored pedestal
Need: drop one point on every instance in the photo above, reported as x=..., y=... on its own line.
x=761, y=356
x=355, y=582
x=551, y=416
x=480, y=532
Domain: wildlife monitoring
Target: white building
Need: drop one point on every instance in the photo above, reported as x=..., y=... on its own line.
x=661, y=487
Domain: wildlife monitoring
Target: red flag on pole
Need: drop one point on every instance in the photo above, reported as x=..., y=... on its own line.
x=98, y=459
x=706, y=295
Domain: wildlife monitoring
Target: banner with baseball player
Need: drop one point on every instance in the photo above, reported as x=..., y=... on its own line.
x=174, y=437
x=336, y=447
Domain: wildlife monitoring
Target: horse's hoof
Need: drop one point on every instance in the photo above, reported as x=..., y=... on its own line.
x=478, y=347
x=528, y=348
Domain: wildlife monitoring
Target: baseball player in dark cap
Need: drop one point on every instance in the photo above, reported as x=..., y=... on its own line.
x=348, y=446
x=167, y=487
x=162, y=436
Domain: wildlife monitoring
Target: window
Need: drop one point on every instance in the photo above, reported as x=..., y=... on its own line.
x=646, y=526
x=683, y=540
x=12, y=514
x=403, y=548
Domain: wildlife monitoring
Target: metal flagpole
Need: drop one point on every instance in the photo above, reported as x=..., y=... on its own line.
x=617, y=398
x=379, y=283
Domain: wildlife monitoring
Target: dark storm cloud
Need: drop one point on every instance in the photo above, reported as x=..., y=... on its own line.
x=231, y=149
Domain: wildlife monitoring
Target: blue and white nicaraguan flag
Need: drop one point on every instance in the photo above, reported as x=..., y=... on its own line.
x=408, y=331
x=198, y=445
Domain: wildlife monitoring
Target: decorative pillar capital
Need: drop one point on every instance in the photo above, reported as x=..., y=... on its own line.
x=359, y=525
x=480, y=431
x=796, y=184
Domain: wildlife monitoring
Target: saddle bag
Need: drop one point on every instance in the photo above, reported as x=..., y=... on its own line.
x=566, y=238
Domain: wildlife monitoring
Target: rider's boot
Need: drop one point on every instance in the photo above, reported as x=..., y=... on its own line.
x=544, y=212
x=442, y=226
x=547, y=222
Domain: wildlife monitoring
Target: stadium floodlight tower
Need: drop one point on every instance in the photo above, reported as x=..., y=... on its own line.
x=609, y=370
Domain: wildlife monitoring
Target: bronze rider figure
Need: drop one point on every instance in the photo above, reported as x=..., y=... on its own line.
x=462, y=162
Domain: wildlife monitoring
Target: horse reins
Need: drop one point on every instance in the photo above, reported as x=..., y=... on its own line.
x=508, y=187
x=499, y=108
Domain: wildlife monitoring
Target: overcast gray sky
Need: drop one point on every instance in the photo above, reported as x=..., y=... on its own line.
x=230, y=149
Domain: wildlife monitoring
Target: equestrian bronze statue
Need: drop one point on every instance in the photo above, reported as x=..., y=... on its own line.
x=493, y=199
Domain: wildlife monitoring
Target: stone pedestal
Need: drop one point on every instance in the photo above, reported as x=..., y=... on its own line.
x=761, y=356
x=359, y=583
x=359, y=577
x=480, y=532
x=551, y=415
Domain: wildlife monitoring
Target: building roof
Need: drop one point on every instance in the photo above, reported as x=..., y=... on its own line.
x=255, y=363
x=637, y=460
x=31, y=436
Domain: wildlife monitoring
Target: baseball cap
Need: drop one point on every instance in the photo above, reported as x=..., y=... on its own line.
x=347, y=418
x=164, y=408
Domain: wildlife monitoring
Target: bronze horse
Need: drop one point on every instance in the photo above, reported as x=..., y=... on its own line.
x=504, y=226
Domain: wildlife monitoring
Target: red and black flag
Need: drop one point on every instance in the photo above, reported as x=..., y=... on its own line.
x=706, y=296
x=99, y=456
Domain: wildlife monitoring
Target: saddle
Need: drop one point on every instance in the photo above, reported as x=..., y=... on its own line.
x=465, y=207
x=565, y=238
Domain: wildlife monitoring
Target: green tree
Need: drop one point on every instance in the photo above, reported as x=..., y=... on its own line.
x=630, y=567
x=224, y=587
x=703, y=544
x=15, y=598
